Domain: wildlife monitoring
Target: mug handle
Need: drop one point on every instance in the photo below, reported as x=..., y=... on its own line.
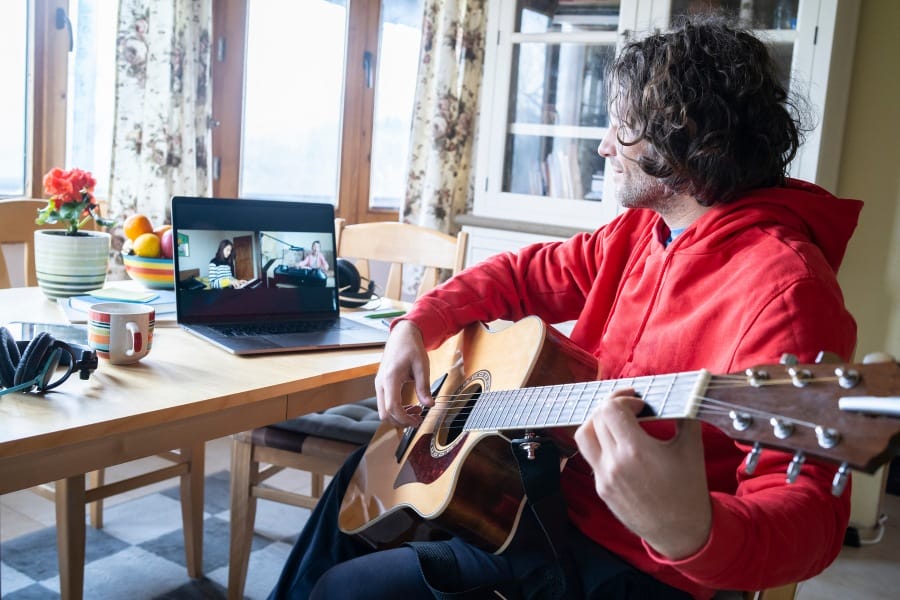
x=137, y=339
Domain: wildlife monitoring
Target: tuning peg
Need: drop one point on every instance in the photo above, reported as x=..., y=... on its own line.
x=800, y=377
x=878, y=357
x=740, y=421
x=752, y=459
x=756, y=378
x=825, y=357
x=841, y=477
x=796, y=465
x=827, y=436
x=847, y=378
x=789, y=360
x=781, y=428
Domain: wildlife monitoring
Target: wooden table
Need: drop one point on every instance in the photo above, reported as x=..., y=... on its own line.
x=185, y=392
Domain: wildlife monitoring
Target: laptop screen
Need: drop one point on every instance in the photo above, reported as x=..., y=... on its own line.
x=250, y=261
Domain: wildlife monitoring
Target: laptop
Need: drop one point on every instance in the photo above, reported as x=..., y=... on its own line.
x=250, y=277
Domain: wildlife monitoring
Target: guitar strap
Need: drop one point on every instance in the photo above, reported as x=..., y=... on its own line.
x=540, y=480
x=557, y=578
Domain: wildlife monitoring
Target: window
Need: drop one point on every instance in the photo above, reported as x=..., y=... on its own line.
x=13, y=49
x=60, y=112
x=326, y=116
x=327, y=89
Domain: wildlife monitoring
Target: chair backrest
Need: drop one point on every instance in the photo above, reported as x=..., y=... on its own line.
x=401, y=244
x=17, y=226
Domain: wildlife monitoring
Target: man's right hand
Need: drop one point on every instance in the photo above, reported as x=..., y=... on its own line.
x=405, y=360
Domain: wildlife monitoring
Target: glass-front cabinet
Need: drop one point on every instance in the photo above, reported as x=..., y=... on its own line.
x=546, y=97
x=544, y=102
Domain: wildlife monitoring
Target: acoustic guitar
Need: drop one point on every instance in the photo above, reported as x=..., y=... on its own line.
x=456, y=472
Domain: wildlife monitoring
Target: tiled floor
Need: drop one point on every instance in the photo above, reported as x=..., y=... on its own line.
x=870, y=572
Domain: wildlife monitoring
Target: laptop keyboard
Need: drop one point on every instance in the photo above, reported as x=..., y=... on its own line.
x=276, y=328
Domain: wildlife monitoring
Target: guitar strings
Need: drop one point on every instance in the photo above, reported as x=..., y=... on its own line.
x=708, y=405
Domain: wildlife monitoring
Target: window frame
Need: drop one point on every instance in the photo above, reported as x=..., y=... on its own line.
x=228, y=60
x=46, y=107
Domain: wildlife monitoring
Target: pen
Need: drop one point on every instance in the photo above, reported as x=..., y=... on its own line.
x=386, y=315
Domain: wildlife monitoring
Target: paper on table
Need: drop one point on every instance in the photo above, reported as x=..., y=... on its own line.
x=125, y=295
x=75, y=309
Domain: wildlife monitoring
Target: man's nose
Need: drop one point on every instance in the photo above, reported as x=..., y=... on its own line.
x=607, y=145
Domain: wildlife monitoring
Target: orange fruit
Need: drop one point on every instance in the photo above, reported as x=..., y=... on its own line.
x=161, y=230
x=136, y=225
x=147, y=245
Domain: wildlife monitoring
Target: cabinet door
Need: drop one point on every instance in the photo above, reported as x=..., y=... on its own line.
x=813, y=42
x=544, y=111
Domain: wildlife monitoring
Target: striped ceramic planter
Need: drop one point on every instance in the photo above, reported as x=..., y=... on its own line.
x=70, y=265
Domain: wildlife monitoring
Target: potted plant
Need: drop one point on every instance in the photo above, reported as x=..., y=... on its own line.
x=70, y=261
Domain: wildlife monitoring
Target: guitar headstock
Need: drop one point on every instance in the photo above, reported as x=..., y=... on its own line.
x=797, y=408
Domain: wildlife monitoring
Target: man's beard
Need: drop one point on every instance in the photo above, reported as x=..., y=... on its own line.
x=639, y=190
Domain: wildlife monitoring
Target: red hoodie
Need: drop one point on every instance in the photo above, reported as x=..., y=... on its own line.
x=742, y=285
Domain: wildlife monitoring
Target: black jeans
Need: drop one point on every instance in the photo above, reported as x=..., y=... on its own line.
x=326, y=563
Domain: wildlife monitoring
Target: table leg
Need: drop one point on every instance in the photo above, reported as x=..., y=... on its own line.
x=70, y=532
x=192, y=484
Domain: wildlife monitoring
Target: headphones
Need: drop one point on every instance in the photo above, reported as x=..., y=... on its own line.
x=29, y=365
x=351, y=293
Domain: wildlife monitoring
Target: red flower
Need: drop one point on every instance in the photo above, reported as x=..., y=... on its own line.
x=68, y=186
x=71, y=200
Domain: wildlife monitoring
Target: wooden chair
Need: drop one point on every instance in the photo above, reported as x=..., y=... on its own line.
x=301, y=443
x=17, y=226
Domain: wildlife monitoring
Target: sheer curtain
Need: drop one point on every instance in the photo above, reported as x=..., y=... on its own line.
x=161, y=138
x=439, y=179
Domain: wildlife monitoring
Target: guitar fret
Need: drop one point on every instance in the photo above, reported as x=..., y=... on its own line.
x=502, y=400
x=572, y=404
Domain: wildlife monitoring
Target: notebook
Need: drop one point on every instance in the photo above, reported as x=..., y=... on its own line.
x=243, y=280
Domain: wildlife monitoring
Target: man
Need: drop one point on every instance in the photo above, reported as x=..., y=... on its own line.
x=720, y=263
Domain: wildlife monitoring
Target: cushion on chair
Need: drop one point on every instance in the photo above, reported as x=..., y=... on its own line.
x=354, y=423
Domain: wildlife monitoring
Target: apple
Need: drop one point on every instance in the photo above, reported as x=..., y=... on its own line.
x=167, y=244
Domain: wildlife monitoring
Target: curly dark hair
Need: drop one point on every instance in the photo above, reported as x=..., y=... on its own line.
x=707, y=98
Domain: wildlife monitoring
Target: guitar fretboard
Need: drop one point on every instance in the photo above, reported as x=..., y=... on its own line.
x=669, y=396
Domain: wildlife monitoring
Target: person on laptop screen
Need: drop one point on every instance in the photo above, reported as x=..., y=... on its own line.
x=221, y=268
x=314, y=259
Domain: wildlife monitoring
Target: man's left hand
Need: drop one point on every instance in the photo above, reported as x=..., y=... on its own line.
x=656, y=488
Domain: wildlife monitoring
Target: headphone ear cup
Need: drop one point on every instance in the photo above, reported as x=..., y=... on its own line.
x=347, y=276
x=33, y=358
x=351, y=294
x=9, y=358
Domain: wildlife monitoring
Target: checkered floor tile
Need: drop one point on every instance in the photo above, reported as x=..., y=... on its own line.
x=139, y=553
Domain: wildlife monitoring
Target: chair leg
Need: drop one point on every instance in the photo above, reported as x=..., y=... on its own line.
x=95, y=480
x=70, y=533
x=317, y=485
x=191, y=486
x=244, y=472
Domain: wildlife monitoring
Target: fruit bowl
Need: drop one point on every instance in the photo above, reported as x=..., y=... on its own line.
x=154, y=273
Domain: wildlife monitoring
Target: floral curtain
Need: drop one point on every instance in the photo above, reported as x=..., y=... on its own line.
x=440, y=176
x=161, y=139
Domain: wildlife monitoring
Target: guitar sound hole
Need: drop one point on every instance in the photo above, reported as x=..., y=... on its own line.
x=459, y=414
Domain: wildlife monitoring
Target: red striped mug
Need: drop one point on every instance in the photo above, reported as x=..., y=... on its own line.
x=121, y=332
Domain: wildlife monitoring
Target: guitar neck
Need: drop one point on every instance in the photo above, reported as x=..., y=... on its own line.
x=668, y=396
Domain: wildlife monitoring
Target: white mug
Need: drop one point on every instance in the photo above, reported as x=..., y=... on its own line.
x=121, y=332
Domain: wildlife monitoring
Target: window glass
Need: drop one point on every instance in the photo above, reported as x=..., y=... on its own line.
x=293, y=99
x=400, y=39
x=13, y=73
x=91, y=97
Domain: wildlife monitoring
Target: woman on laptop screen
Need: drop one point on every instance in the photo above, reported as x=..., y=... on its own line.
x=221, y=268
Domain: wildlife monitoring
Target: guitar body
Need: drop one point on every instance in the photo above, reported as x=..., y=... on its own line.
x=446, y=479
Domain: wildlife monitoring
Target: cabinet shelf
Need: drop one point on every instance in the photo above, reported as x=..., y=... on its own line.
x=560, y=131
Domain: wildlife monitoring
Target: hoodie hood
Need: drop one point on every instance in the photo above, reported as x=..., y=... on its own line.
x=799, y=209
